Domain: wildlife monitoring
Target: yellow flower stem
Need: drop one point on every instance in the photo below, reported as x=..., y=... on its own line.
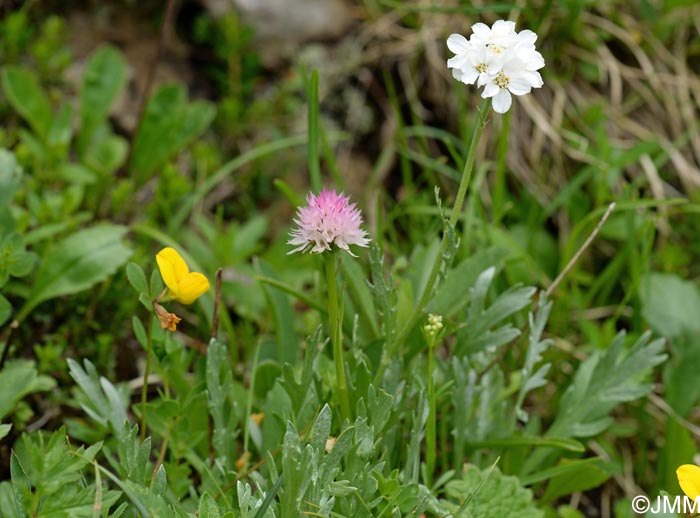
x=393, y=348
x=146, y=375
x=335, y=320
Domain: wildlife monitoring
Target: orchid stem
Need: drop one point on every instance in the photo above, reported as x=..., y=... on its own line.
x=335, y=317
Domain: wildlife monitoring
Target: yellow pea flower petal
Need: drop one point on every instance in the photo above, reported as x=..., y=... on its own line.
x=689, y=480
x=183, y=285
x=172, y=266
x=193, y=286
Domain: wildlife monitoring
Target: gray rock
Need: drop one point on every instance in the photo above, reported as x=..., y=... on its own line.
x=282, y=26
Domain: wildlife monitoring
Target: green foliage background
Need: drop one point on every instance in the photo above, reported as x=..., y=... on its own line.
x=560, y=406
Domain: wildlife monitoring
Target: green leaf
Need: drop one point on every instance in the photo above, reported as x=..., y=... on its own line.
x=581, y=477
x=5, y=309
x=137, y=278
x=453, y=294
x=20, y=484
x=10, y=176
x=169, y=124
x=78, y=262
x=61, y=129
x=357, y=283
x=225, y=400
x=101, y=401
x=4, y=430
x=283, y=314
x=76, y=174
x=531, y=378
x=14, y=260
x=485, y=327
x=27, y=97
x=106, y=153
x=562, y=443
x=497, y=496
x=563, y=468
x=17, y=379
x=208, y=507
x=669, y=304
x=602, y=382
x=682, y=390
x=104, y=78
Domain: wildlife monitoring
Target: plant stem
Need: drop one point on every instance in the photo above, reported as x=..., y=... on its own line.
x=430, y=427
x=146, y=375
x=499, y=185
x=392, y=348
x=334, y=318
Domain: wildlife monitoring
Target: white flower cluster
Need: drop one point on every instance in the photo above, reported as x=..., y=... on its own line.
x=501, y=60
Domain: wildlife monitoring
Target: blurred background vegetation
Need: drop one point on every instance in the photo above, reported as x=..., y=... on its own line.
x=194, y=132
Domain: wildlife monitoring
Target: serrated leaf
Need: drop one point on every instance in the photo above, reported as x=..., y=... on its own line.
x=602, y=382
x=106, y=406
x=78, y=262
x=531, y=378
x=208, y=507
x=451, y=296
x=321, y=429
x=225, y=406
x=20, y=484
x=495, y=497
x=481, y=330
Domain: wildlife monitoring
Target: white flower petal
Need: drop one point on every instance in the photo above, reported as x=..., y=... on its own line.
x=481, y=30
x=469, y=75
x=490, y=90
x=527, y=37
x=535, y=62
x=484, y=79
x=457, y=73
x=458, y=61
x=502, y=101
x=457, y=43
x=533, y=78
x=503, y=28
x=519, y=86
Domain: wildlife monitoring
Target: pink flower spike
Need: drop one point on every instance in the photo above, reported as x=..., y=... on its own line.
x=328, y=218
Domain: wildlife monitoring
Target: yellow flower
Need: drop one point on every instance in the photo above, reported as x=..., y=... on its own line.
x=183, y=285
x=689, y=480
